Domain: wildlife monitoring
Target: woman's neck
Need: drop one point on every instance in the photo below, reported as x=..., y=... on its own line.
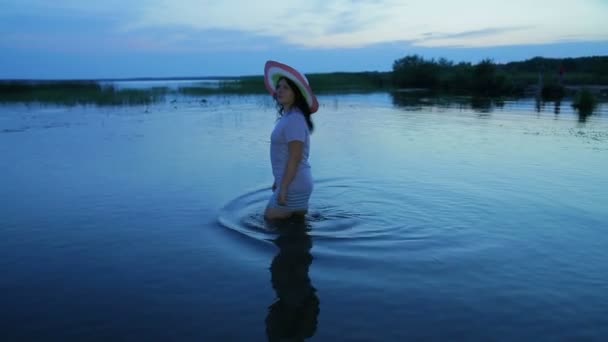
x=290, y=109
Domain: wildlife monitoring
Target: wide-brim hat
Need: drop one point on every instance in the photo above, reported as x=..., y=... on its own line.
x=273, y=71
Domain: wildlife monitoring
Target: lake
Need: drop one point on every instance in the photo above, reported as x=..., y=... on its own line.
x=430, y=220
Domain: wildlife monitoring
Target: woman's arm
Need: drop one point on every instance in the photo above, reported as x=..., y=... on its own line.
x=295, y=149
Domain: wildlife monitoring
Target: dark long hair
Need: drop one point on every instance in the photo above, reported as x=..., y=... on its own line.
x=299, y=102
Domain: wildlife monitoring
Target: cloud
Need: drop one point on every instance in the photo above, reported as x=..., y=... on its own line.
x=358, y=23
x=480, y=36
x=201, y=25
x=299, y=22
x=474, y=33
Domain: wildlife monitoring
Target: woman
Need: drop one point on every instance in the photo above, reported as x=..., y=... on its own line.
x=290, y=141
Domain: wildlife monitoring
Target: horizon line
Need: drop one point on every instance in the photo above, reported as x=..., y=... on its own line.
x=225, y=77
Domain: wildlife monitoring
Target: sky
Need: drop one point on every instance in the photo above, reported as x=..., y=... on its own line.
x=85, y=39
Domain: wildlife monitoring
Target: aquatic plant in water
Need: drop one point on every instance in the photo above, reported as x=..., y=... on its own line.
x=584, y=102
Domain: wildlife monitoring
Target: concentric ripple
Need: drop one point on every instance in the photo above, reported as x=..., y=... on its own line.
x=348, y=213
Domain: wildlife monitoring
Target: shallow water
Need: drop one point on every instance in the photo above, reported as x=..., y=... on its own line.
x=428, y=221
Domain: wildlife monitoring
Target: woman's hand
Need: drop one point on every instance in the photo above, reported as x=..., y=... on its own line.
x=282, y=198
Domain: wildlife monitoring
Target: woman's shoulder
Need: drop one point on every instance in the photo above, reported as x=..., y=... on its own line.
x=296, y=116
x=296, y=121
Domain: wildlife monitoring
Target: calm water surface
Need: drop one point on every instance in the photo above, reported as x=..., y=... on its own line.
x=428, y=222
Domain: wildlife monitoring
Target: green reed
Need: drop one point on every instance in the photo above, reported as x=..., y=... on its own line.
x=71, y=93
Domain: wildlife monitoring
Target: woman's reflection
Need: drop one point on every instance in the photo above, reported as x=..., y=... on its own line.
x=293, y=316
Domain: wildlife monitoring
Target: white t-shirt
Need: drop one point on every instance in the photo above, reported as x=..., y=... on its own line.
x=291, y=126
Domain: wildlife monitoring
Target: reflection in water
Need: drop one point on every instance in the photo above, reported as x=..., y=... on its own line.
x=582, y=116
x=293, y=316
x=409, y=100
x=557, y=107
x=417, y=100
x=481, y=104
x=583, y=113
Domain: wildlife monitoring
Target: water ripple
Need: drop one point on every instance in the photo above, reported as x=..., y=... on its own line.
x=350, y=215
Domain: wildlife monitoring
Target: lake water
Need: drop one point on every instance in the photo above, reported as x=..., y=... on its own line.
x=169, y=84
x=429, y=221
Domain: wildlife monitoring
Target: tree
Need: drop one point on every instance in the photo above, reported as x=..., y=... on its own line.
x=415, y=71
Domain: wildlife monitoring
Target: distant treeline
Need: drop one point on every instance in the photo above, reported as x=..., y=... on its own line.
x=492, y=79
x=486, y=79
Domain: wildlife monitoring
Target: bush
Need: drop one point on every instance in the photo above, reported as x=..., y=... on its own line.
x=415, y=72
x=584, y=102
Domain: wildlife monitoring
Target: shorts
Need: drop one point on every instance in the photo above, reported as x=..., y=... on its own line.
x=296, y=201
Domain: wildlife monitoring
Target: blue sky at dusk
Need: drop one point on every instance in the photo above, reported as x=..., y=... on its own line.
x=164, y=38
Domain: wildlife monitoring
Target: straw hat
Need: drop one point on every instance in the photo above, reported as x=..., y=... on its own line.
x=273, y=71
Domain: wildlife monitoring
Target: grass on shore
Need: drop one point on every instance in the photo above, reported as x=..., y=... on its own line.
x=71, y=93
x=331, y=83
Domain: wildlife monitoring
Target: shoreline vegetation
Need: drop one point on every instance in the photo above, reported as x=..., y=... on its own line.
x=583, y=79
